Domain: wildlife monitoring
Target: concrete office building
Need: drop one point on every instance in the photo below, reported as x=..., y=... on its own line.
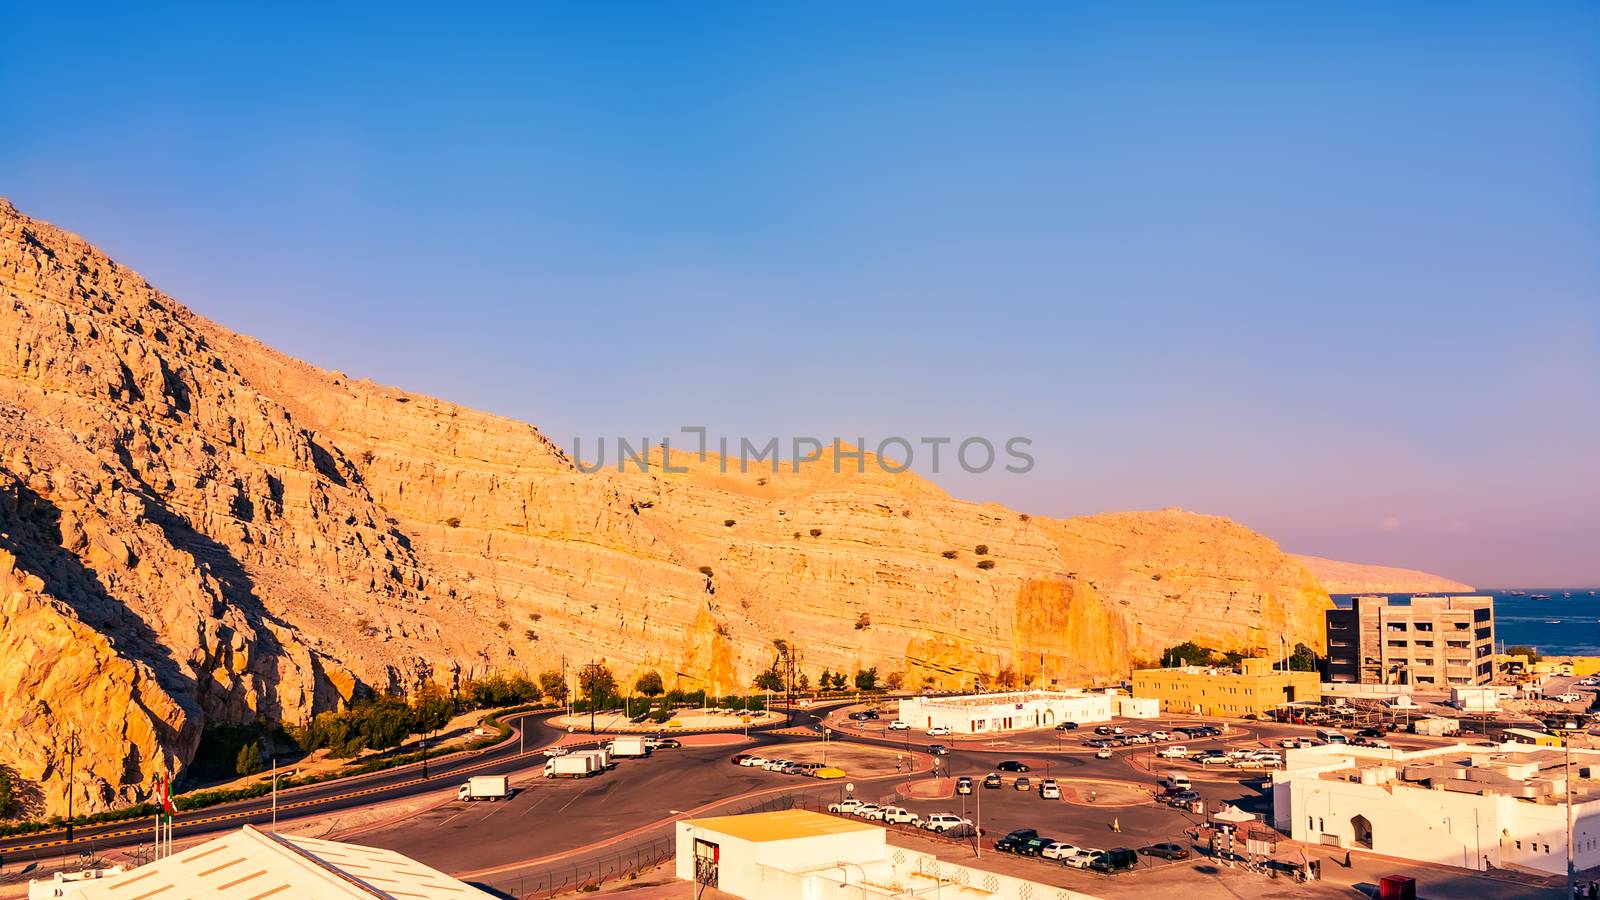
x=1256, y=688
x=1017, y=710
x=1431, y=644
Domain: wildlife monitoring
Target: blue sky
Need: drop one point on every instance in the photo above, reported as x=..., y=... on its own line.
x=1332, y=270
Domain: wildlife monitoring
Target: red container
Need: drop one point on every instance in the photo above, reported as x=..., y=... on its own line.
x=1397, y=887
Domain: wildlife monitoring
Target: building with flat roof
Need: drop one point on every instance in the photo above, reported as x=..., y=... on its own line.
x=1464, y=805
x=1014, y=711
x=1432, y=643
x=251, y=863
x=801, y=855
x=1256, y=688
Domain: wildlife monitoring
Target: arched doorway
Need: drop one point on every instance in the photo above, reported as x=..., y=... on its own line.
x=1362, y=827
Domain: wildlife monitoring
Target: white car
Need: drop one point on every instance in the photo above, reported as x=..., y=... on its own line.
x=1159, y=736
x=1057, y=850
x=898, y=725
x=1080, y=857
x=938, y=731
x=1175, y=751
x=868, y=811
x=847, y=805
x=897, y=815
x=556, y=750
x=1102, y=753
x=942, y=822
x=1049, y=790
x=1568, y=697
x=753, y=761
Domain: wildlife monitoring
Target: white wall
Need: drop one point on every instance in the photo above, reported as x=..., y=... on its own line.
x=1020, y=711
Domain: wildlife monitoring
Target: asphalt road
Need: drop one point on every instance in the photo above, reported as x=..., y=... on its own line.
x=325, y=798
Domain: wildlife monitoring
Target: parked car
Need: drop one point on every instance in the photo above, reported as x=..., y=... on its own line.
x=1182, y=798
x=1012, y=765
x=1057, y=850
x=1067, y=726
x=1034, y=846
x=1159, y=736
x=1117, y=859
x=847, y=805
x=1102, y=753
x=1212, y=759
x=898, y=815
x=898, y=725
x=1013, y=842
x=753, y=761
x=668, y=744
x=1081, y=858
x=1102, y=729
x=1173, y=751
x=1049, y=790
x=939, y=823
x=1022, y=783
x=739, y=758
x=938, y=731
x=991, y=780
x=868, y=811
x=1165, y=850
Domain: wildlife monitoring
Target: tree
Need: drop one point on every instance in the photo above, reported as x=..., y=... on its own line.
x=867, y=679
x=249, y=760
x=825, y=680
x=1304, y=659
x=769, y=680
x=839, y=681
x=1187, y=653
x=895, y=681
x=1531, y=653
x=553, y=685
x=805, y=682
x=431, y=708
x=649, y=684
x=596, y=683
x=8, y=794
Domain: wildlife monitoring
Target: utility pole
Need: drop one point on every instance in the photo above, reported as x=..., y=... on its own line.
x=592, y=664
x=72, y=764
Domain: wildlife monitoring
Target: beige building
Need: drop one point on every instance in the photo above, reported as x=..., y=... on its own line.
x=1254, y=689
x=1431, y=644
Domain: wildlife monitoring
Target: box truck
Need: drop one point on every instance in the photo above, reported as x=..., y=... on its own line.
x=623, y=747
x=573, y=765
x=602, y=758
x=485, y=787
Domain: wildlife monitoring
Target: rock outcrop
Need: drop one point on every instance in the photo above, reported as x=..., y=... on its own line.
x=196, y=529
x=1355, y=578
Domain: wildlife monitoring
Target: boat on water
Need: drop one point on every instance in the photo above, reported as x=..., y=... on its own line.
x=1540, y=597
x=1552, y=621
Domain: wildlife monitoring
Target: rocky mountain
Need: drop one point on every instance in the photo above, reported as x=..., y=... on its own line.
x=1356, y=578
x=195, y=529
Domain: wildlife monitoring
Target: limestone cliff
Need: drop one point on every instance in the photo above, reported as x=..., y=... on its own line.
x=197, y=529
x=1356, y=578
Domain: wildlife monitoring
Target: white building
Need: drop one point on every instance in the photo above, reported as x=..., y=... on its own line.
x=1016, y=711
x=251, y=863
x=1475, y=699
x=801, y=855
x=1462, y=805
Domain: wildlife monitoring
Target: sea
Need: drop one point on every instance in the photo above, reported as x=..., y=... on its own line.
x=1566, y=624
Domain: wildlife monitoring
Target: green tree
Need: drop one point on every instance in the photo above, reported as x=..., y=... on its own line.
x=553, y=685
x=596, y=683
x=769, y=680
x=825, y=680
x=649, y=684
x=431, y=708
x=805, y=682
x=1531, y=653
x=1304, y=659
x=249, y=760
x=839, y=681
x=867, y=679
x=8, y=794
x=1187, y=653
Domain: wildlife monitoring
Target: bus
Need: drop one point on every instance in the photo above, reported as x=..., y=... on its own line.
x=1331, y=736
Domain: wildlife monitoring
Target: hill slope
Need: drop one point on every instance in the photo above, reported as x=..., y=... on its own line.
x=196, y=529
x=1356, y=578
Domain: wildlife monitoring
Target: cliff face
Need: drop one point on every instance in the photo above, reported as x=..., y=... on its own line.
x=195, y=529
x=1356, y=578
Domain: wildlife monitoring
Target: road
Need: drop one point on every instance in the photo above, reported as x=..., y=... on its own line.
x=318, y=799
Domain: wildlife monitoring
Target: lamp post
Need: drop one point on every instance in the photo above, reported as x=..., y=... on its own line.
x=72, y=764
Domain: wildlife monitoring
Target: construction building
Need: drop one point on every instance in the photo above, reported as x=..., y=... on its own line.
x=1255, y=688
x=1431, y=644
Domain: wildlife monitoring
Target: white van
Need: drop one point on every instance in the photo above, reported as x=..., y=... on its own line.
x=1174, y=751
x=1178, y=781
